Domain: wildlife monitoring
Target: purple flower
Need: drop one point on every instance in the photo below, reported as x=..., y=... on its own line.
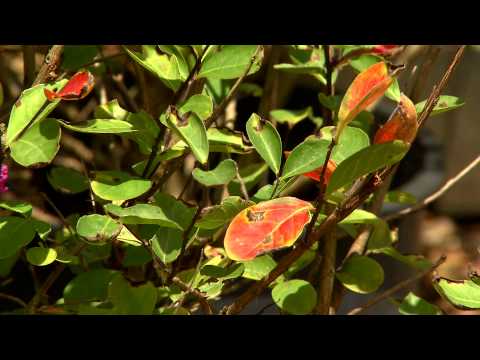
x=3, y=178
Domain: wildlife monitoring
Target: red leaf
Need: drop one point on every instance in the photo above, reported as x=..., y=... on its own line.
x=78, y=87
x=402, y=124
x=385, y=49
x=267, y=226
x=366, y=88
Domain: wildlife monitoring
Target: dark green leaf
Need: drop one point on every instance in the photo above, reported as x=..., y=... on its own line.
x=40, y=256
x=17, y=206
x=67, y=180
x=222, y=273
x=414, y=305
x=167, y=244
x=15, y=233
x=142, y=214
x=251, y=175
x=131, y=300
x=88, y=286
x=307, y=156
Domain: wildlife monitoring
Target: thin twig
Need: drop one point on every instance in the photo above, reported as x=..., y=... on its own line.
x=221, y=107
x=207, y=308
x=243, y=188
x=397, y=288
x=442, y=190
x=14, y=299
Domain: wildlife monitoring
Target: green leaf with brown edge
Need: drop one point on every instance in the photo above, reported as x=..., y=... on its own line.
x=118, y=185
x=361, y=274
x=445, y=103
x=38, y=145
x=191, y=129
x=297, y=297
x=230, y=62
x=291, y=117
x=21, y=228
x=97, y=229
x=307, y=156
x=28, y=109
x=221, y=175
x=20, y=207
x=463, y=294
x=142, y=214
x=266, y=140
x=217, y=216
x=366, y=161
x=227, y=141
x=200, y=104
x=41, y=256
x=67, y=180
x=414, y=305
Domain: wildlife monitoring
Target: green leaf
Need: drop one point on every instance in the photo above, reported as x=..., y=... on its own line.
x=230, y=62
x=163, y=66
x=117, y=185
x=167, y=244
x=20, y=207
x=176, y=210
x=227, y=141
x=463, y=294
x=212, y=289
x=38, y=145
x=128, y=238
x=350, y=141
x=131, y=300
x=266, y=140
x=179, y=58
x=361, y=274
x=218, y=88
x=97, y=228
x=142, y=214
x=291, y=117
x=250, y=89
x=301, y=263
x=259, y=267
x=23, y=233
x=219, y=215
x=30, y=107
x=400, y=197
x=40, y=256
x=136, y=256
x=414, y=305
x=88, y=286
x=42, y=228
x=7, y=264
x=222, y=174
x=101, y=126
x=365, y=162
x=251, y=175
x=191, y=129
x=75, y=56
x=67, y=180
x=218, y=272
x=111, y=110
x=445, y=103
x=418, y=262
x=199, y=104
x=330, y=102
x=297, y=297
x=164, y=156
x=307, y=156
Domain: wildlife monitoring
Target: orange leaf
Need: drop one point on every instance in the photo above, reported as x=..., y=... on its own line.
x=366, y=88
x=76, y=88
x=402, y=124
x=266, y=226
x=385, y=49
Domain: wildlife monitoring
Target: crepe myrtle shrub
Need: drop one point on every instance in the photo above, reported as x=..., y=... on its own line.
x=167, y=202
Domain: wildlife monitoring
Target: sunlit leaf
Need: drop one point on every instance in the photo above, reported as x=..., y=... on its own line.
x=222, y=174
x=305, y=157
x=15, y=233
x=117, y=185
x=414, y=305
x=297, y=297
x=445, y=103
x=141, y=214
x=218, y=215
x=40, y=256
x=463, y=294
x=266, y=226
x=361, y=274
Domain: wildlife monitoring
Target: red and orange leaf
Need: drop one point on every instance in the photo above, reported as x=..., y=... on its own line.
x=366, y=88
x=78, y=87
x=266, y=226
x=385, y=49
x=402, y=124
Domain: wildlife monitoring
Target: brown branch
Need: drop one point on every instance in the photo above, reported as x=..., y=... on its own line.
x=243, y=188
x=442, y=190
x=14, y=299
x=50, y=64
x=327, y=273
x=207, y=308
x=397, y=288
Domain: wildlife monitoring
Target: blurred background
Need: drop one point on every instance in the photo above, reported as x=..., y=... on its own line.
x=447, y=143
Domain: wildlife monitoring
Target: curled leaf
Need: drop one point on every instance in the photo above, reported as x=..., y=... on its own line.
x=78, y=87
